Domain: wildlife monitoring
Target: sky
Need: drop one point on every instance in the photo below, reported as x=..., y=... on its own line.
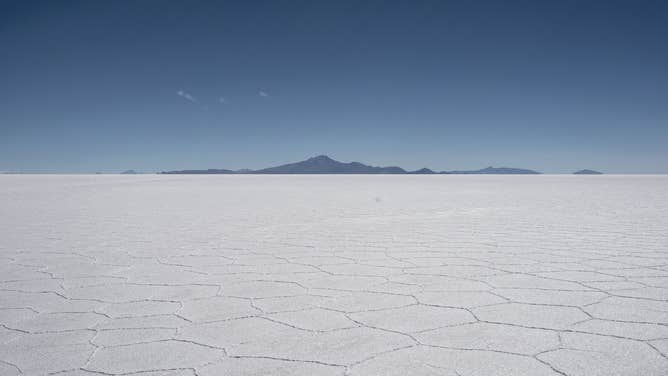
x=555, y=86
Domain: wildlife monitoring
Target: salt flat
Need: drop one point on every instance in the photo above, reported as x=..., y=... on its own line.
x=333, y=275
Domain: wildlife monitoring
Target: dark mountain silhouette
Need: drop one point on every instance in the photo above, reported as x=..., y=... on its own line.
x=587, y=172
x=129, y=172
x=495, y=171
x=422, y=171
x=323, y=164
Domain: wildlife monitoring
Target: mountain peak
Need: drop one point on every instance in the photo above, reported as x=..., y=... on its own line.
x=323, y=164
x=321, y=159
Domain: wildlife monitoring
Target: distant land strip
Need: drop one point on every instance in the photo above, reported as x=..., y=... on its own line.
x=323, y=164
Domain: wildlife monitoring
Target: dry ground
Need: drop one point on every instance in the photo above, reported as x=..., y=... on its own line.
x=334, y=275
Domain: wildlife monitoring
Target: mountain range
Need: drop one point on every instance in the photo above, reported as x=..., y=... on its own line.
x=323, y=164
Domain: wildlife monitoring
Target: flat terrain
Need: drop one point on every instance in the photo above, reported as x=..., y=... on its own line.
x=334, y=275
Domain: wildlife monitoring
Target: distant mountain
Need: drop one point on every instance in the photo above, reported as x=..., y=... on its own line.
x=495, y=171
x=129, y=172
x=587, y=172
x=323, y=164
x=211, y=171
x=422, y=171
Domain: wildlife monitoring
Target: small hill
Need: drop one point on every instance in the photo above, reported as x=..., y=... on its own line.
x=211, y=171
x=422, y=171
x=496, y=171
x=587, y=172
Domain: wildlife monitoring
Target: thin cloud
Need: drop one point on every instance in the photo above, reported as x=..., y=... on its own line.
x=186, y=95
x=262, y=93
x=222, y=100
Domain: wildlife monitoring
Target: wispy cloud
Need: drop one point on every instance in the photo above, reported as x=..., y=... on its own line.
x=222, y=100
x=186, y=95
x=262, y=93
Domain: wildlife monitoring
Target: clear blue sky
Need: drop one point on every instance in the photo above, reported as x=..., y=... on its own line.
x=554, y=86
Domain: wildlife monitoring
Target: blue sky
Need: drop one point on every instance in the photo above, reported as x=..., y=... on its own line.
x=149, y=85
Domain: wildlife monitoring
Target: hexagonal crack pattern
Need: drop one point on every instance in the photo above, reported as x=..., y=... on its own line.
x=314, y=275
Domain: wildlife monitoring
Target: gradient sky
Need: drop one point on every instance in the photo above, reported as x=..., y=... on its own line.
x=148, y=85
